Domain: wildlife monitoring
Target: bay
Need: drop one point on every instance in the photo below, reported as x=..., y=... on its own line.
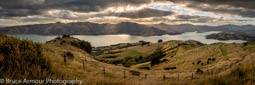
x=105, y=40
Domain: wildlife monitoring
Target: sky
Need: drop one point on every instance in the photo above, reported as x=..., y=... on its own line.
x=196, y=12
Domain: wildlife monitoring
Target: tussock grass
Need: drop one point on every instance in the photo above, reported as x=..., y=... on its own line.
x=23, y=59
x=241, y=75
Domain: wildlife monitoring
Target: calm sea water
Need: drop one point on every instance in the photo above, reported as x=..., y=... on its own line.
x=105, y=40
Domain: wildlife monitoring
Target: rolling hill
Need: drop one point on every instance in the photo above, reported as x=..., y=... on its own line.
x=87, y=28
x=183, y=62
x=84, y=28
x=245, y=29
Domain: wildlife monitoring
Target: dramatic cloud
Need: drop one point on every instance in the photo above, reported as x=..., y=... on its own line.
x=144, y=13
x=194, y=18
x=249, y=4
x=186, y=19
x=14, y=12
x=141, y=13
x=245, y=8
x=33, y=7
x=224, y=9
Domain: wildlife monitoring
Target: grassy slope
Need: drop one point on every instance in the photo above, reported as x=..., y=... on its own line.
x=226, y=55
x=130, y=52
x=241, y=75
x=93, y=73
x=24, y=59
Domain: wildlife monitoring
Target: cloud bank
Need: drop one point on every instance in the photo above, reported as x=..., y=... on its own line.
x=138, y=11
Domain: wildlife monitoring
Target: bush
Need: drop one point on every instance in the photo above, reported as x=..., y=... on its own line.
x=69, y=55
x=160, y=40
x=156, y=56
x=86, y=46
x=23, y=59
x=140, y=57
x=128, y=61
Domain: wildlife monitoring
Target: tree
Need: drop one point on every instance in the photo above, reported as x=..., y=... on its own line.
x=140, y=57
x=160, y=40
x=86, y=46
x=156, y=56
x=155, y=60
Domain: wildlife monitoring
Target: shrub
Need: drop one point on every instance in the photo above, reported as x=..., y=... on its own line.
x=155, y=61
x=69, y=55
x=160, y=40
x=86, y=46
x=199, y=71
x=145, y=68
x=140, y=57
x=169, y=68
x=58, y=37
x=128, y=61
x=66, y=36
x=156, y=56
x=135, y=73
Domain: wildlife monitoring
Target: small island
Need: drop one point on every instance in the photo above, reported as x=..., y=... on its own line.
x=231, y=36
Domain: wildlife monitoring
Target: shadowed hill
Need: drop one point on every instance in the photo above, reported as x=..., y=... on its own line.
x=85, y=28
x=229, y=36
x=245, y=29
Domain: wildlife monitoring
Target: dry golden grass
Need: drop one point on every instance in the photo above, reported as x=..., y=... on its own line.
x=226, y=55
x=93, y=72
x=134, y=52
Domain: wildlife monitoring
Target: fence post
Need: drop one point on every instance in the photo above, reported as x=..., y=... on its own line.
x=178, y=77
x=54, y=53
x=192, y=77
x=124, y=74
x=211, y=71
x=104, y=71
x=204, y=74
x=208, y=71
x=145, y=76
x=83, y=63
x=164, y=77
x=65, y=59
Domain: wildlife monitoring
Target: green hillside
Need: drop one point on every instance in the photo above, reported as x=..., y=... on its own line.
x=170, y=62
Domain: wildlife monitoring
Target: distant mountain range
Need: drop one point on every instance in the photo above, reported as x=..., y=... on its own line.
x=87, y=28
x=84, y=28
x=229, y=36
x=245, y=29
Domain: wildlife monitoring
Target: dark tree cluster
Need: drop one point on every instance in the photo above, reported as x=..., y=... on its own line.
x=86, y=46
